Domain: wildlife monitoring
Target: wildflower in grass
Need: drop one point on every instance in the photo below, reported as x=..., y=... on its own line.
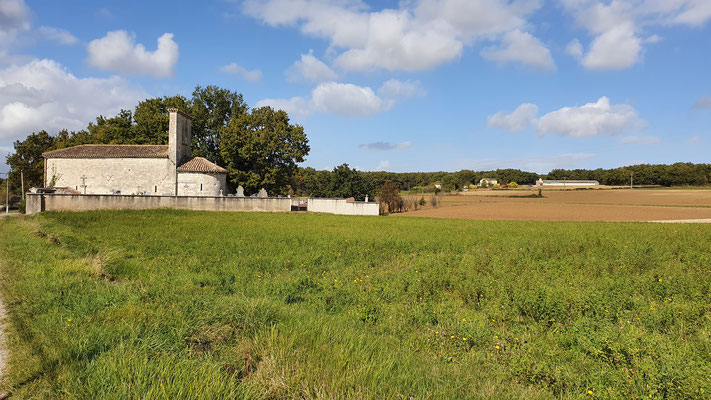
x=452, y=337
x=590, y=392
x=497, y=347
x=464, y=339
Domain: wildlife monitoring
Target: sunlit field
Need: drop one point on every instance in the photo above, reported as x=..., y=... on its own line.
x=178, y=304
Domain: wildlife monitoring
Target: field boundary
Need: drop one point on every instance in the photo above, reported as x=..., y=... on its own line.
x=685, y=221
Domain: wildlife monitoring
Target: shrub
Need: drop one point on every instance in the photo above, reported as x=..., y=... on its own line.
x=423, y=201
x=435, y=201
x=496, y=186
x=23, y=205
x=389, y=194
x=513, y=185
x=409, y=203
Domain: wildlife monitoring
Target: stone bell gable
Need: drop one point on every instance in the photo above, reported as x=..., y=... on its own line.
x=179, y=136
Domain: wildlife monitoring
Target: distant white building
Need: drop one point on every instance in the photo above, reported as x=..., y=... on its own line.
x=486, y=182
x=565, y=183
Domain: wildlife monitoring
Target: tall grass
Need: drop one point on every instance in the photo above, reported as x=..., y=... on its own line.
x=176, y=304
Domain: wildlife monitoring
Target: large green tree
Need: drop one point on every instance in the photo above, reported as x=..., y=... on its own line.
x=347, y=182
x=261, y=148
x=114, y=130
x=27, y=159
x=212, y=108
x=151, y=119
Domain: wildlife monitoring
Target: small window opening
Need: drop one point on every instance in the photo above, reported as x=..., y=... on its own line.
x=155, y=189
x=201, y=187
x=77, y=187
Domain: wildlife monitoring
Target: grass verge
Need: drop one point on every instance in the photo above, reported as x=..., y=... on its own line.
x=176, y=304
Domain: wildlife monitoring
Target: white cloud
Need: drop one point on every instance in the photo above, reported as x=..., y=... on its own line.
x=693, y=140
x=398, y=90
x=703, y=102
x=640, y=140
x=345, y=99
x=385, y=146
x=14, y=17
x=653, y=39
x=118, y=52
x=382, y=166
x=517, y=120
x=62, y=36
x=310, y=68
x=6, y=58
x=44, y=95
x=692, y=12
x=252, y=76
x=589, y=120
x=617, y=48
x=419, y=35
x=619, y=27
x=574, y=49
x=521, y=47
x=295, y=106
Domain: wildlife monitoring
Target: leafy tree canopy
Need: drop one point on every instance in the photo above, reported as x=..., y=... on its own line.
x=261, y=149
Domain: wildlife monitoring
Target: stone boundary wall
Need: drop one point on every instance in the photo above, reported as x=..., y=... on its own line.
x=38, y=202
x=343, y=207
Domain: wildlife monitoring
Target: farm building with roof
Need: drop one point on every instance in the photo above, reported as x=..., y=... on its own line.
x=137, y=169
x=565, y=183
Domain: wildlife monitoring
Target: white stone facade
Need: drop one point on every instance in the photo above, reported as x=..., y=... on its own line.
x=108, y=175
x=201, y=184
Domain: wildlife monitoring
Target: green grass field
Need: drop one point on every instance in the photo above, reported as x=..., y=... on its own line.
x=174, y=304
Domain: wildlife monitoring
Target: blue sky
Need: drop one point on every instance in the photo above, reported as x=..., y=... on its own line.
x=412, y=85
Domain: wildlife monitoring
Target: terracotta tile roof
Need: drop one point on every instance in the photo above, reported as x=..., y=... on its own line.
x=109, y=151
x=199, y=164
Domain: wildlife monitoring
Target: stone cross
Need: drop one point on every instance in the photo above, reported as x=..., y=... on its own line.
x=240, y=191
x=262, y=193
x=83, y=182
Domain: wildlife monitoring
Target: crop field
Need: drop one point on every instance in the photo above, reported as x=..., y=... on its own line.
x=574, y=205
x=176, y=304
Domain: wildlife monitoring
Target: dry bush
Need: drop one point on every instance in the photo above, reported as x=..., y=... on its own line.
x=435, y=201
x=409, y=203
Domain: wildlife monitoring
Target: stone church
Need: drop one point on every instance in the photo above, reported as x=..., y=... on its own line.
x=137, y=169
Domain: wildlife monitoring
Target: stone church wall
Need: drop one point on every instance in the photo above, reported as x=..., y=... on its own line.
x=104, y=175
x=201, y=184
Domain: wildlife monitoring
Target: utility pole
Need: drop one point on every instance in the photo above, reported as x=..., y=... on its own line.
x=632, y=180
x=22, y=179
x=7, y=195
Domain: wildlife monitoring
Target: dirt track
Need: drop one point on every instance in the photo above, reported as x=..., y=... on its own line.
x=575, y=205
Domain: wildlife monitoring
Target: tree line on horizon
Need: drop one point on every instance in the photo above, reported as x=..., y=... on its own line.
x=260, y=147
x=344, y=181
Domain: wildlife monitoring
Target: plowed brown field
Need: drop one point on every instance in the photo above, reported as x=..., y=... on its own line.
x=575, y=205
